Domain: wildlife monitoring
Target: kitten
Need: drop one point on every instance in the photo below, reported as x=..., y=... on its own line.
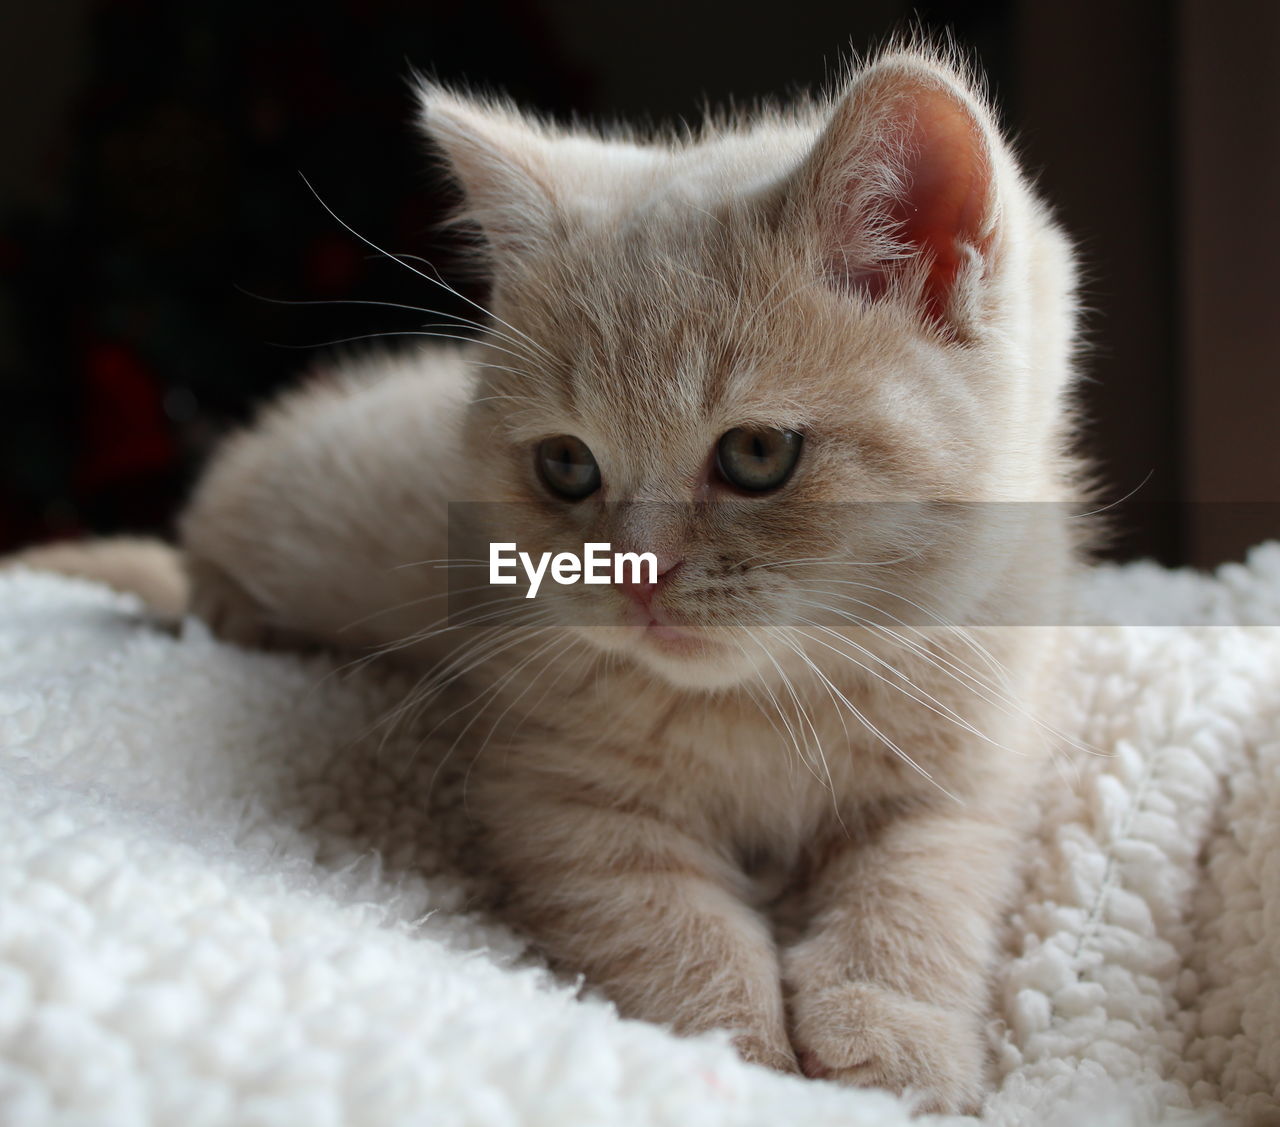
x=765, y=353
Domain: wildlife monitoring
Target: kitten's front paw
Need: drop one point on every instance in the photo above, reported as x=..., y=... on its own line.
x=861, y=1034
x=764, y=1051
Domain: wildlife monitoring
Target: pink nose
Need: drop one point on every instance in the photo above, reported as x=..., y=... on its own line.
x=643, y=592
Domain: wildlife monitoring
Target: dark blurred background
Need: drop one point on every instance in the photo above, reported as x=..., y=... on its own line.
x=150, y=177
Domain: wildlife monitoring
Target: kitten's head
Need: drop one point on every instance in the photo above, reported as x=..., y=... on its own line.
x=731, y=349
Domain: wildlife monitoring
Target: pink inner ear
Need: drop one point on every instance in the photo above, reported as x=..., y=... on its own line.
x=945, y=200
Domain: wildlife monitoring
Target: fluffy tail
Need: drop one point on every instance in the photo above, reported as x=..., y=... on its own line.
x=147, y=568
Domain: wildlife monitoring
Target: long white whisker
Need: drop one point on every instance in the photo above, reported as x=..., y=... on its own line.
x=859, y=715
x=952, y=627
x=951, y=630
x=488, y=694
x=464, y=660
x=395, y=333
x=782, y=716
x=815, y=561
x=460, y=661
x=434, y=630
x=802, y=719
x=916, y=693
x=410, y=603
x=826, y=683
x=456, y=319
x=564, y=668
x=999, y=695
x=435, y=280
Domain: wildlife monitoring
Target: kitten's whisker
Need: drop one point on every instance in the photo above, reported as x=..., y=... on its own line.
x=410, y=603
x=512, y=371
x=419, y=636
x=586, y=657
x=564, y=668
x=781, y=714
x=765, y=712
x=394, y=333
x=439, y=560
x=816, y=561
x=434, y=277
x=1009, y=698
x=962, y=672
x=859, y=715
x=951, y=630
x=1114, y=504
x=462, y=662
x=802, y=718
x=388, y=719
x=495, y=398
x=826, y=683
x=456, y=319
x=488, y=694
x=434, y=630
x=917, y=694
x=430, y=679
x=999, y=695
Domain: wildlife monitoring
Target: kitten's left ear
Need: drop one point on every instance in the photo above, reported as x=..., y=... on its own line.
x=901, y=186
x=499, y=160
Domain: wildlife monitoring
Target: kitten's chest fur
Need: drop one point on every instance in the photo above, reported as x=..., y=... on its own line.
x=768, y=773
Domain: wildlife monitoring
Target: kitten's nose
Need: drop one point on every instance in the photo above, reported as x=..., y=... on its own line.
x=643, y=592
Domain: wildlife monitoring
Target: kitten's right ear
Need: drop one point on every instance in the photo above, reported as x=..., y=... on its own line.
x=498, y=159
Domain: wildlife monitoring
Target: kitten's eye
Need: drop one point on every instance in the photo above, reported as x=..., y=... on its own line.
x=567, y=467
x=758, y=458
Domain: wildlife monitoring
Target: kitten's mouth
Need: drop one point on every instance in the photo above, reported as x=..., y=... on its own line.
x=682, y=640
x=655, y=628
x=663, y=632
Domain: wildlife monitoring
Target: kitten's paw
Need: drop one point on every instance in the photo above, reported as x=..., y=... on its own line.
x=861, y=1034
x=228, y=609
x=758, y=1049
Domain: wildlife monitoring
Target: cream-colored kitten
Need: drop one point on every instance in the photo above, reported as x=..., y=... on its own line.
x=764, y=353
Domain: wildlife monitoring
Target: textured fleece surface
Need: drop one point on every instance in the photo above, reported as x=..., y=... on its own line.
x=223, y=900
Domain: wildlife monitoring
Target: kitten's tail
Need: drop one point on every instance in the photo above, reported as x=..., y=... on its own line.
x=150, y=569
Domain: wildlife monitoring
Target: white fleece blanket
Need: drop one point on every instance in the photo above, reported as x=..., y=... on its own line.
x=222, y=901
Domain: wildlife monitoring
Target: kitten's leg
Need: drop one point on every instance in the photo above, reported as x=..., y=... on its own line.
x=147, y=568
x=648, y=914
x=307, y=526
x=233, y=614
x=889, y=987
